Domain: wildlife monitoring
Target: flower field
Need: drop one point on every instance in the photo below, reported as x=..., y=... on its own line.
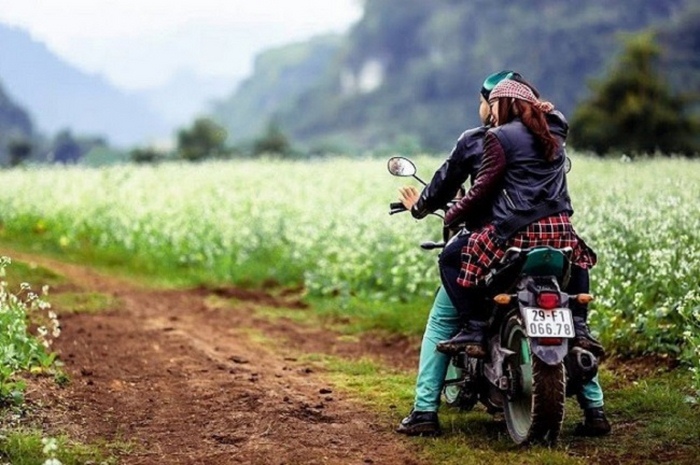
x=325, y=224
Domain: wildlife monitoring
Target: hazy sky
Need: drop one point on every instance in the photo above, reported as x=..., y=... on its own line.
x=141, y=43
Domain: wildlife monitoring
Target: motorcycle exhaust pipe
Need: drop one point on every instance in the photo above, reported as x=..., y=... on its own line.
x=585, y=364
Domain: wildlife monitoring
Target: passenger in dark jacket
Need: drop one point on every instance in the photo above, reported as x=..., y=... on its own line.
x=523, y=178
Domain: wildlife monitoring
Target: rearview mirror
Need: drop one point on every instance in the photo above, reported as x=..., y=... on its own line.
x=401, y=166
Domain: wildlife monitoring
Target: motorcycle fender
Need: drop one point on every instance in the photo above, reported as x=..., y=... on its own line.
x=551, y=355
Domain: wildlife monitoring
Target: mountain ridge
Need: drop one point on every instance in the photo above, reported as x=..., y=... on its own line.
x=59, y=96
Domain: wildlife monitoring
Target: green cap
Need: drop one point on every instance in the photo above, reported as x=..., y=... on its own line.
x=491, y=81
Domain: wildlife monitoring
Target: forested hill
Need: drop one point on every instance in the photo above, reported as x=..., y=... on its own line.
x=280, y=76
x=15, y=124
x=408, y=73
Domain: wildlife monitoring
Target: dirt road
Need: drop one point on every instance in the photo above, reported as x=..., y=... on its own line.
x=183, y=381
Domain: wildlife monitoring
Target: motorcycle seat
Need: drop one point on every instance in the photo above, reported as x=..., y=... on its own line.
x=534, y=261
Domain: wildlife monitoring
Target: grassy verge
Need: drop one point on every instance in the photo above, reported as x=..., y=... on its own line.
x=20, y=442
x=32, y=448
x=128, y=266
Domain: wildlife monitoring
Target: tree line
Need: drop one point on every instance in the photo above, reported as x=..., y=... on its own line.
x=205, y=139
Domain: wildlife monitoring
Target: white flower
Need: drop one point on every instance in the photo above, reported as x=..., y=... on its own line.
x=50, y=445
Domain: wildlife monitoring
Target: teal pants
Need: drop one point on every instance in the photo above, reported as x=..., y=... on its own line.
x=443, y=323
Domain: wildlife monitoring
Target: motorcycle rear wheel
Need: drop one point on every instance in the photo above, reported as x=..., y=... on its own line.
x=534, y=408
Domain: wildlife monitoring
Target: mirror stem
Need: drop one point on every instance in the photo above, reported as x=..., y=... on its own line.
x=420, y=180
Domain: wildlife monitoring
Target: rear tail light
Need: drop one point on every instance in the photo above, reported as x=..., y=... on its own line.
x=548, y=300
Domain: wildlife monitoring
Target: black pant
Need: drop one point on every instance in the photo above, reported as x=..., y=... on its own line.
x=468, y=301
x=579, y=283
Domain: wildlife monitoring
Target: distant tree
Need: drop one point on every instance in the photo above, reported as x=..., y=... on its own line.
x=66, y=149
x=18, y=151
x=634, y=110
x=146, y=155
x=273, y=141
x=205, y=139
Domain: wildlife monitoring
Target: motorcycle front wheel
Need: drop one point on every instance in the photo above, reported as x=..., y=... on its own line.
x=534, y=405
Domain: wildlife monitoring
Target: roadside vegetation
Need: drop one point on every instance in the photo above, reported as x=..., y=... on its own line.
x=30, y=327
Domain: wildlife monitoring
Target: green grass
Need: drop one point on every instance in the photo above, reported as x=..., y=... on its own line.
x=357, y=315
x=134, y=267
x=65, y=301
x=300, y=317
x=83, y=302
x=31, y=273
x=26, y=448
x=114, y=262
x=656, y=419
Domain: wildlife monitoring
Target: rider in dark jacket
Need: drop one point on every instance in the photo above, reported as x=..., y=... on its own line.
x=523, y=177
x=443, y=321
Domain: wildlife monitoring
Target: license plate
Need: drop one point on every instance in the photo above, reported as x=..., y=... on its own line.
x=549, y=323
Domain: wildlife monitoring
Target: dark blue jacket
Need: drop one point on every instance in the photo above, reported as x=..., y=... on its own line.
x=462, y=164
x=522, y=186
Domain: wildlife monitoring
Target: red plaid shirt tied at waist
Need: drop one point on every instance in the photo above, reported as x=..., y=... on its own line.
x=484, y=250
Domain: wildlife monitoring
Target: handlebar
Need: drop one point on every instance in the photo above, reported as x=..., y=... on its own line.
x=396, y=207
x=430, y=245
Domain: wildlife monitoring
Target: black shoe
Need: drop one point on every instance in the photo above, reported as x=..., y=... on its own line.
x=471, y=340
x=585, y=340
x=594, y=424
x=420, y=424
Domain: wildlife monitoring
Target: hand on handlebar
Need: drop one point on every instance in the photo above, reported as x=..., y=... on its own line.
x=409, y=196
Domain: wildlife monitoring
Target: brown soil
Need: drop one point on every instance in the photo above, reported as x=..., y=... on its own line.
x=183, y=381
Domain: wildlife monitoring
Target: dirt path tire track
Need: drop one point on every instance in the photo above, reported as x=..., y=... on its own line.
x=184, y=383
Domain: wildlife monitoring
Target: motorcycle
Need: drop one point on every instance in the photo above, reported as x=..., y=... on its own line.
x=529, y=368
